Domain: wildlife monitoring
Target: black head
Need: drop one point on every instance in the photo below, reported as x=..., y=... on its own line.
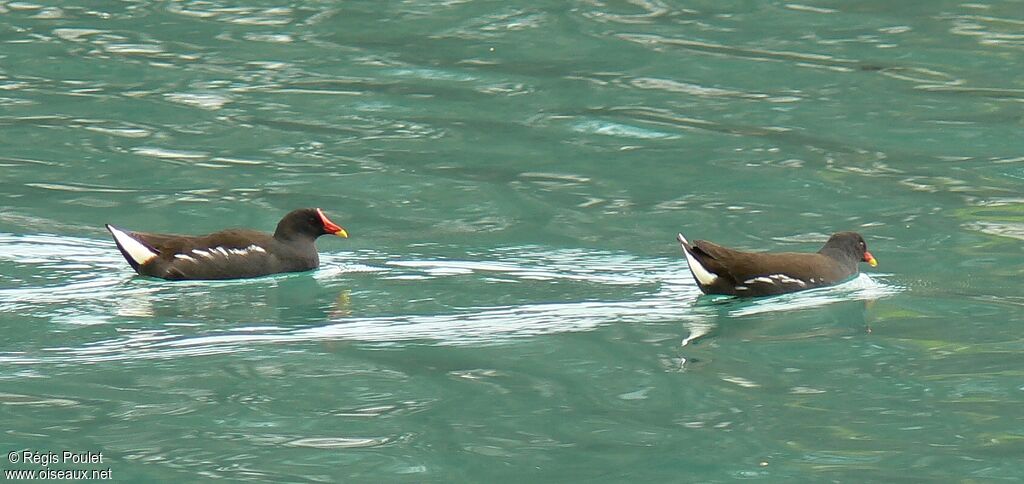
x=307, y=223
x=848, y=246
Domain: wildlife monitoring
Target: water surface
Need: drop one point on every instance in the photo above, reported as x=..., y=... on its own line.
x=512, y=304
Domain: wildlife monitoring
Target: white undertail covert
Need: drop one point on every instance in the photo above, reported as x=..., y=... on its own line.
x=138, y=251
x=703, y=275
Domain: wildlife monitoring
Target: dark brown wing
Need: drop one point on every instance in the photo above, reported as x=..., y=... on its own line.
x=804, y=267
x=714, y=250
x=778, y=273
x=227, y=254
x=180, y=244
x=718, y=260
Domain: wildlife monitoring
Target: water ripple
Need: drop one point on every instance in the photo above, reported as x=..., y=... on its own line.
x=989, y=30
x=663, y=290
x=800, y=58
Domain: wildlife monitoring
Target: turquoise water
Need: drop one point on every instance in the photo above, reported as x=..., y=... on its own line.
x=512, y=305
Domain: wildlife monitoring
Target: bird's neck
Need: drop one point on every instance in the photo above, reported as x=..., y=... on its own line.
x=839, y=255
x=293, y=237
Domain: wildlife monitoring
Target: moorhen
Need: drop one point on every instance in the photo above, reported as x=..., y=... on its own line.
x=720, y=270
x=229, y=254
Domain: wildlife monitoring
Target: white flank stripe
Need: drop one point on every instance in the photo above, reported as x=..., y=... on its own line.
x=251, y=248
x=776, y=278
x=135, y=249
x=788, y=280
x=225, y=252
x=185, y=257
x=202, y=253
x=703, y=276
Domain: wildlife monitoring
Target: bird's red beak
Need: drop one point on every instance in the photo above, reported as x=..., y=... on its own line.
x=331, y=227
x=870, y=259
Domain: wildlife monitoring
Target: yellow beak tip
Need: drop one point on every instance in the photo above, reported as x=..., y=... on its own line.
x=341, y=233
x=873, y=263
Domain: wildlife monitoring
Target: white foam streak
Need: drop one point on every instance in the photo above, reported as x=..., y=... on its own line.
x=647, y=289
x=861, y=287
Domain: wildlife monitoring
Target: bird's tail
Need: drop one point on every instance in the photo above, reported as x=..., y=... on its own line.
x=702, y=274
x=135, y=251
